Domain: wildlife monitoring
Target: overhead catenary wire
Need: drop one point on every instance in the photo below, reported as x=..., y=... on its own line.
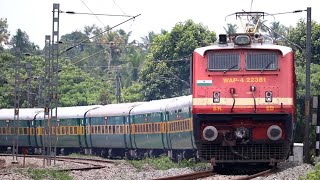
x=89, y=56
x=108, y=29
x=96, y=14
x=118, y=7
x=289, y=12
x=92, y=12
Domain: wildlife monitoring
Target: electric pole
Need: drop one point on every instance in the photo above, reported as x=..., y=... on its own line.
x=15, y=140
x=55, y=77
x=307, y=98
x=29, y=89
x=118, y=86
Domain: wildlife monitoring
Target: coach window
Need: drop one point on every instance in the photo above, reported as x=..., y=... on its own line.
x=58, y=131
x=71, y=130
x=261, y=61
x=102, y=129
x=121, y=129
x=63, y=131
x=218, y=61
x=25, y=131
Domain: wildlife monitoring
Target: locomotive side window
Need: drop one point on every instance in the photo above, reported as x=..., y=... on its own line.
x=262, y=61
x=223, y=61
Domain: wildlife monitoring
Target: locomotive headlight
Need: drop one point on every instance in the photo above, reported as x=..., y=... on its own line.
x=210, y=133
x=274, y=132
x=242, y=40
x=216, y=97
x=268, y=96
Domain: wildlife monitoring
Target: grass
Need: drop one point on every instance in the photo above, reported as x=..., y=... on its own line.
x=164, y=163
x=312, y=175
x=39, y=174
x=77, y=155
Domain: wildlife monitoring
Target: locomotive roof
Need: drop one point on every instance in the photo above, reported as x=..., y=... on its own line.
x=180, y=102
x=122, y=109
x=284, y=49
x=70, y=112
x=152, y=106
x=24, y=113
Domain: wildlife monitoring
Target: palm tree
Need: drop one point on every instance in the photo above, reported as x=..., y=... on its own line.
x=147, y=40
x=277, y=30
x=257, y=21
x=231, y=28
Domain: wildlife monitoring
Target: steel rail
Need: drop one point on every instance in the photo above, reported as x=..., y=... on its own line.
x=263, y=173
x=189, y=176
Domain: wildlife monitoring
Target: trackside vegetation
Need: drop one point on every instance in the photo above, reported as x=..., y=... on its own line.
x=164, y=163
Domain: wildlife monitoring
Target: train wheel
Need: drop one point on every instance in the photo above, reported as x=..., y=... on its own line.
x=151, y=154
x=110, y=154
x=103, y=153
x=170, y=154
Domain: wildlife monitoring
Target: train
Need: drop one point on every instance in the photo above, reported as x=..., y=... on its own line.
x=127, y=130
x=242, y=109
x=243, y=99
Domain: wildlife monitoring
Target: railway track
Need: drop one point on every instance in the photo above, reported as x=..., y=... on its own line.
x=263, y=173
x=194, y=175
x=87, y=161
x=210, y=173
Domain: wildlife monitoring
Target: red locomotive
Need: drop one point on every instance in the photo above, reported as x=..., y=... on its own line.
x=243, y=99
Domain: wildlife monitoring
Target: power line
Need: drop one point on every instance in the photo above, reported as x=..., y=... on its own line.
x=92, y=12
x=89, y=56
x=108, y=29
x=118, y=6
x=290, y=12
x=96, y=14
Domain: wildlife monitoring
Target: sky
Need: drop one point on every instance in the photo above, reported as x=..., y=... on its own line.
x=35, y=16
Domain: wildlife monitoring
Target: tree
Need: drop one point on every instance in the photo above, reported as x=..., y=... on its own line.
x=297, y=35
x=21, y=40
x=132, y=93
x=4, y=34
x=147, y=40
x=76, y=88
x=257, y=21
x=277, y=30
x=231, y=28
x=161, y=79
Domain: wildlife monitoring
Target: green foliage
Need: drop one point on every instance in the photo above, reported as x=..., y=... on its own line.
x=298, y=36
x=78, y=155
x=78, y=88
x=231, y=28
x=39, y=174
x=132, y=93
x=278, y=30
x=164, y=163
x=20, y=42
x=162, y=79
x=4, y=33
x=314, y=80
x=313, y=175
